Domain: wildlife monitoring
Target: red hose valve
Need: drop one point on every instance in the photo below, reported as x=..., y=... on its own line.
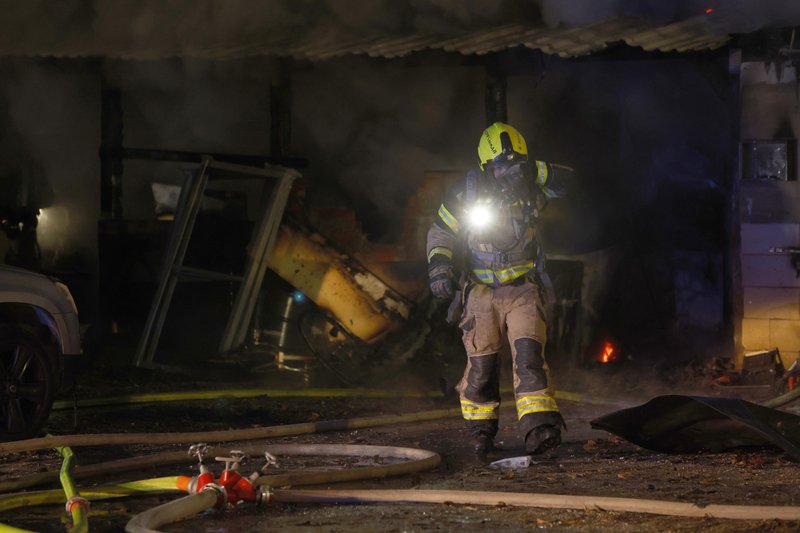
x=243, y=490
x=229, y=478
x=195, y=484
x=237, y=487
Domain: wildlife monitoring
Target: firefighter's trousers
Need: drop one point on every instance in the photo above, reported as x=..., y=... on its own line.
x=490, y=314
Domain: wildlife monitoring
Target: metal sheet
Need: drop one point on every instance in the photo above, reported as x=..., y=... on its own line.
x=689, y=424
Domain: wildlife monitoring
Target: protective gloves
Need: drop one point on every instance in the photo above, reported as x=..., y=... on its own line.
x=442, y=280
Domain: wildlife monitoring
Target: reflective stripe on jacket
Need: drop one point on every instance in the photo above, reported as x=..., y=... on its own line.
x=500, y=254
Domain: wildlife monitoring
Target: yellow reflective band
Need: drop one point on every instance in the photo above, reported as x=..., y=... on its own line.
x=513, y=272
x=522, y=401
x=479, y=411
x=448, y=218
x=440, y=250
x=486, y=275
x=483, y=274
x=535, y=404
x=541, y=178
x=479, y=416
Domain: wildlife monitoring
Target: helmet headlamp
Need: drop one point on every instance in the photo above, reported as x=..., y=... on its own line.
x=480, y=217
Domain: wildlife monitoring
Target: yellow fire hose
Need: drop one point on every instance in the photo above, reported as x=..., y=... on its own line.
x=77, y=506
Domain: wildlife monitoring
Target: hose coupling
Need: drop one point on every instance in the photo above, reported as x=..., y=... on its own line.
x=77, y=501
x=222, y=495
x=263, y=495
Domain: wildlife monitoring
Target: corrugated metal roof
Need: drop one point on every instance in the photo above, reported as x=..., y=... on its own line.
x=694, y=34
x=688, y=35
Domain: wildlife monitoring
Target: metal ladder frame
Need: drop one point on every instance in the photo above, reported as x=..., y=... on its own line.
x=259, y=248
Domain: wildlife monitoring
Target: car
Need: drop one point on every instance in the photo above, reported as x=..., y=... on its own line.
x=40, y=346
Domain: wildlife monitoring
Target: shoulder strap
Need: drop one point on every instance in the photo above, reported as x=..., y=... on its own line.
x=472, y=187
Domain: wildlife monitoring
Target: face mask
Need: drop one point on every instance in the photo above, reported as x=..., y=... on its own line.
x=513, y=180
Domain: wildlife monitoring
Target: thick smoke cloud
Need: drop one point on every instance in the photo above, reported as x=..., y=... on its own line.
x=158, y=29
x=372, y=129
x=154, y=28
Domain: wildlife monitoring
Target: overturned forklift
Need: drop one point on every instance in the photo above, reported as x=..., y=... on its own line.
x=335, y=313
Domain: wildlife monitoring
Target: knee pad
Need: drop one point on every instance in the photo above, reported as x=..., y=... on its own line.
x=483, y=379
x=529, y=363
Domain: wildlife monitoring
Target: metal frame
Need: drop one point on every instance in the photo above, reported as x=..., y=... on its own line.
x=259, y=248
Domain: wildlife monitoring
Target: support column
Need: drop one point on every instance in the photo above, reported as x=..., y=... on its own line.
x=280, y=107
x=496, y=108
x=111, y=154
x=733, y=292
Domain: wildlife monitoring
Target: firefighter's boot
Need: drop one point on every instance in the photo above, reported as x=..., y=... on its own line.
x=481, y=438
x=482, y=445
x=479, y=392
x=542, y=438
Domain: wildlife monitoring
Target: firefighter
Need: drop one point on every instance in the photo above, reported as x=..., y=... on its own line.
x=490, y=215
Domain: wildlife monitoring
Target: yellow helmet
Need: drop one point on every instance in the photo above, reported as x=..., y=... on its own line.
x=500, y=143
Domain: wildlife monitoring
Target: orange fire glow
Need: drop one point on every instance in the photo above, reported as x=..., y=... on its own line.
x=608, y=354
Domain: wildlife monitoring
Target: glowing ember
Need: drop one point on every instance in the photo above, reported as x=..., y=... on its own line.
x=709, y=11
x=608, y=354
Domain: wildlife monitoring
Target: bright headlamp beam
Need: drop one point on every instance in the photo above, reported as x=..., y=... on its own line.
x=480, y=217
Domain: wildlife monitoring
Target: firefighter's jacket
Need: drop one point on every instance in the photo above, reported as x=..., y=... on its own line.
x=506, y=248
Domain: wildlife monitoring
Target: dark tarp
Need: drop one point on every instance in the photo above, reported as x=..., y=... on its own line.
x=684, y=424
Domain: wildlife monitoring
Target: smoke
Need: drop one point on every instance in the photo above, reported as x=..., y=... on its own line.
x=41, y=27
x=374, y=128
x=157, y=29
x=52, y=129
x=137, y=21
x=733, y=16
x=369, y=127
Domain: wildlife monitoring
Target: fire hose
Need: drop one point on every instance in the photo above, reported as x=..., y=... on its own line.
x=174, y=510
x=211, y=495
x=77, y=506
x=231, y=487
x=217, y=493
x=193, y=504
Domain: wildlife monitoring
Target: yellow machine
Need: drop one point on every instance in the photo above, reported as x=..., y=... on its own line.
x=363, y=304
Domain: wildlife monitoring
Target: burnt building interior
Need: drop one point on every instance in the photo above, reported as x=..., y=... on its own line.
x=237, y=196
